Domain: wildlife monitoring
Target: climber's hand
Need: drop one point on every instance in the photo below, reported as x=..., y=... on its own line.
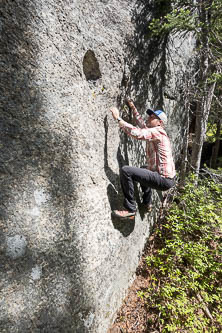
x=130, y=103
x=115, y=112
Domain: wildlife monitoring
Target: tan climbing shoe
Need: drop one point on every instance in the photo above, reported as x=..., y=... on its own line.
x=123, y=214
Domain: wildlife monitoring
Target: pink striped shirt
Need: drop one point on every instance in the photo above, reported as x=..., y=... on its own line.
x=158, y=148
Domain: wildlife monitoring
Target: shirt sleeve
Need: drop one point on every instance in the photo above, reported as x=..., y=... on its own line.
x=140, y=133
x=139, y=120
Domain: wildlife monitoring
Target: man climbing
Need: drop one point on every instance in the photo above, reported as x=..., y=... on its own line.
x=159, y=173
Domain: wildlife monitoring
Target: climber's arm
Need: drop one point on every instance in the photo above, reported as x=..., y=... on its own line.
x=139, y=120
x=135, y=132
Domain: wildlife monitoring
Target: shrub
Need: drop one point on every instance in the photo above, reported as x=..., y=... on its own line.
x=185, y=291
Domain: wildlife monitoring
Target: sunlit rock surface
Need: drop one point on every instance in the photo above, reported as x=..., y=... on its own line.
x=65, y=263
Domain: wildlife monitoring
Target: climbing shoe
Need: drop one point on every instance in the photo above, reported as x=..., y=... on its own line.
x=123, y=214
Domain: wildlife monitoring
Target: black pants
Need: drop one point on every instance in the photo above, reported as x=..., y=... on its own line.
x=147, y=179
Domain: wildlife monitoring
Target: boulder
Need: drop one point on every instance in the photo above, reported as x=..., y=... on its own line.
x=65, y=263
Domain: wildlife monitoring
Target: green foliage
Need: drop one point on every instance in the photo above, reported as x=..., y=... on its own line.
x=176, y=20
x=216, y=77
x=184, y=16
x=211, y=132
x=185, y=292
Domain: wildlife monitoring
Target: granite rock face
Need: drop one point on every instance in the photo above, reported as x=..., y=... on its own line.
x=65, y=263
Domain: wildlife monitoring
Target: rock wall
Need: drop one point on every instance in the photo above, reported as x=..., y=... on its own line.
x=65, y=264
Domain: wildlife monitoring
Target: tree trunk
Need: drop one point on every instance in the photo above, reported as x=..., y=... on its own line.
x=206, y=89
x=201, y=127
x=215, y=151
x=185, y=143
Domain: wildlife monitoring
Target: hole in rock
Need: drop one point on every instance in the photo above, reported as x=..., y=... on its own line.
x=91, y=66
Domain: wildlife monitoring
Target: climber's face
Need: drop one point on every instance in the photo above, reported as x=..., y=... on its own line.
x=153, y=121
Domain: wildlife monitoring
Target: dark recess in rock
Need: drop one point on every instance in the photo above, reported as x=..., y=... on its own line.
x=91, y=66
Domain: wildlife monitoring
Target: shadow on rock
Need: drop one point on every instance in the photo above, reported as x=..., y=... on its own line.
x=114, y=190
x=125, y=226
x=40, y=259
